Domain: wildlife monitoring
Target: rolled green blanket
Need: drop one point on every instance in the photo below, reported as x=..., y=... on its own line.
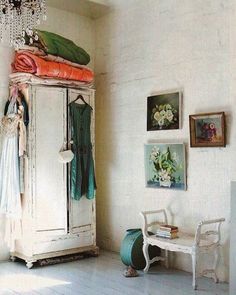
x=57, y=45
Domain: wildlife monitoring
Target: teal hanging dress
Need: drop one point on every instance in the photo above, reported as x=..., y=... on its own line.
x=82, y=166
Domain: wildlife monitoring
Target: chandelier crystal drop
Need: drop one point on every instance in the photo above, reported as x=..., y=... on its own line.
x=18, y=18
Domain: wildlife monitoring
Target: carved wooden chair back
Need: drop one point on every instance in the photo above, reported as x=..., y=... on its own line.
x=148, y=224
x=208, y=231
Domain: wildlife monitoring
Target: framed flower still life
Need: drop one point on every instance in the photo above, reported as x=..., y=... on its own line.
x=207, y=130
x=164, y=111
x=165, y=166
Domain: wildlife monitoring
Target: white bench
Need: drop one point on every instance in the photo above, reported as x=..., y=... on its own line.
x=202, y=241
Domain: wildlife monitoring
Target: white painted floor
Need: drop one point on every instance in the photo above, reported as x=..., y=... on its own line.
x=99, y=276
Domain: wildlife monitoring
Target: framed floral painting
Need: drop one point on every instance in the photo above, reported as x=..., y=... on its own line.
x=165, y=166
x=207, y=130
x=164, y=111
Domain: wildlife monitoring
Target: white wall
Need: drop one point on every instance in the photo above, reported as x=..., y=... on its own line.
x=80, y=29
x=144, y=47
x=233, y=183
x=233, y=240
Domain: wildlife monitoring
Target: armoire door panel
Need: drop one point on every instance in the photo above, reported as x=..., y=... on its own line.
x=73, y=94
x=53, y=224
x=84, y=239
x=81, y=212
x=50, y=175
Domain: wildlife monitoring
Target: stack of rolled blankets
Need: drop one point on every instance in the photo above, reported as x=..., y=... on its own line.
x=51, y=59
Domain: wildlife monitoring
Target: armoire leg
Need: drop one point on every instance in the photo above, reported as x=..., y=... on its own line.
x=96, y=252
x=13, y=258
x=29, y=264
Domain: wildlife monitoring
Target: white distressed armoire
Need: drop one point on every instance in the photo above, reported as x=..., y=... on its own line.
x=53, y=224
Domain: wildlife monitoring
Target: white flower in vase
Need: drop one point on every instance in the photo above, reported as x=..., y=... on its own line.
x=164, y=178
x=161, y=122
x=169, y=115
x=157, y=116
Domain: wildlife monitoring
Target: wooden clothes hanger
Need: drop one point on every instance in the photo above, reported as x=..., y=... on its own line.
x=82, y=98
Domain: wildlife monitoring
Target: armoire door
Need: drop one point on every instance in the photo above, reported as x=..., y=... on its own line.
x=49, y=178
x=82, y=212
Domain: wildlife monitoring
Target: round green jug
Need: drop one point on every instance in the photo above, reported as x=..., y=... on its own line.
x=131, y=251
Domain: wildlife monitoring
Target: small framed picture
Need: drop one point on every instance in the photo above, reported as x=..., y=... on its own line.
x=165, y=166
x=207, y=130
x=164, y=111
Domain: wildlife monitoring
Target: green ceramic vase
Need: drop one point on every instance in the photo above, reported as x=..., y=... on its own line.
x=131, y=251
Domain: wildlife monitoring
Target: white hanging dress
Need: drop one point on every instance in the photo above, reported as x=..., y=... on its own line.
x=10, y=198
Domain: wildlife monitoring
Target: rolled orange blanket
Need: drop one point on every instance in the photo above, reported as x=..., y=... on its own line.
x=30, y=63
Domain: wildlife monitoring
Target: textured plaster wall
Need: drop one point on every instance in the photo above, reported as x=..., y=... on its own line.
x=233, y=240
x=233, y=183
x=78, y=28
x=143, y=47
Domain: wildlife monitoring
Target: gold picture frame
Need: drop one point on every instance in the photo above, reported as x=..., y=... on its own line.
x=207, y=130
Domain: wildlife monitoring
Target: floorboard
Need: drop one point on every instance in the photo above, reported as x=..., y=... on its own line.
x=99, y=276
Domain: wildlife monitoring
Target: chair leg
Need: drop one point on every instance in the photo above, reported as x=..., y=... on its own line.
x=166, y=259
x=216, y=261
x=146, y=256
x=194, y=268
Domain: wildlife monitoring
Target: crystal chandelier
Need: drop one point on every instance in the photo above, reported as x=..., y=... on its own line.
x=18, y=18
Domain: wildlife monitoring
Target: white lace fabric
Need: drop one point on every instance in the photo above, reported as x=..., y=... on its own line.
x=10, y=197
x=9, y=125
